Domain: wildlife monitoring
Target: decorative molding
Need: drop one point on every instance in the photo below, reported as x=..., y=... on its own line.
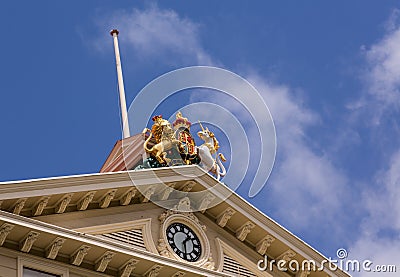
x=54, y=247
x=79, y=254
x=262, y=245
x=106, y=199
x=147, y=194
x=26, y=243
x=85, y=201
x=127, y=268
x=153, y=271
x=162, y=248
x=63, y=203
x=39, y=207
x=188, y=186
x=102, y=263
x=205, y=202
x=19, y=205
x=244, y=230
x=287, y=255
x=127, y=197
x=183, y=205
x=5, y=229
x=224, y=217
x=164, y=195
x=209, y=264
x=183, y=208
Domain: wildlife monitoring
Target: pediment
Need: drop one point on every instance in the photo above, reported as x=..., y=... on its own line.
x=135, y=233
x=95, y=205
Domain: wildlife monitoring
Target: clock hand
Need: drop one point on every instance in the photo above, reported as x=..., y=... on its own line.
x=184, y=243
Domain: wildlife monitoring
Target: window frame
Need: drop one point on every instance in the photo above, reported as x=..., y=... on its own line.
x=44, y=266
x=224, y=248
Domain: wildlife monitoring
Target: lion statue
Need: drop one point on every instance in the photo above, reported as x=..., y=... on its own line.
x=165, y=139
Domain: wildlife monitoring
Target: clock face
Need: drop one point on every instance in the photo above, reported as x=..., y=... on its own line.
x=184, y=242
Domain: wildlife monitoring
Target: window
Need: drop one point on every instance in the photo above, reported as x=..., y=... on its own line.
x=130, y=237
x=28, y=272
x=136, y=233
x=236, y=264
x=235, y=268
x=34, y=267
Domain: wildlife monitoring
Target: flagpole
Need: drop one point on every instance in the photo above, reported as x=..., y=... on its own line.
x=122, y=101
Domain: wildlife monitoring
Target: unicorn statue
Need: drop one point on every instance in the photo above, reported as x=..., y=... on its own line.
x=208, y=153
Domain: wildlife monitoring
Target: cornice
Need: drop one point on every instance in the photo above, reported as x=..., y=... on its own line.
x=86, y=182
x=41, y=227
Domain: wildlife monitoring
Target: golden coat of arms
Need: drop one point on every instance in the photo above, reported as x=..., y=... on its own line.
x=181, y=126
x=174, y=145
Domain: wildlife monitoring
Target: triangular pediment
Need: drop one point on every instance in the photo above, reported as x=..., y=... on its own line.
x=135, y=233
x=112, y=210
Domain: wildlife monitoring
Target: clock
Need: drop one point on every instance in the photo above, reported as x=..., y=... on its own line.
x=184, y=242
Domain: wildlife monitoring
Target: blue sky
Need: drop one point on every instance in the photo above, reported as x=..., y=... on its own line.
x=329, y=72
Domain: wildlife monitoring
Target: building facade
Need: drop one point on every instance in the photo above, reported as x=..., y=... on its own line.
x=169, y=221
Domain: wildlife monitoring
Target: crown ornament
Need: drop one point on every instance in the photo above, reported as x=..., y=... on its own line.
x=181, y=122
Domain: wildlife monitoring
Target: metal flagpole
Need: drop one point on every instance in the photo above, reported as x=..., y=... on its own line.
x=124, y=112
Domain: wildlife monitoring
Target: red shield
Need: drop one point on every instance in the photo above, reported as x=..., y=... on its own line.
x=188, y=142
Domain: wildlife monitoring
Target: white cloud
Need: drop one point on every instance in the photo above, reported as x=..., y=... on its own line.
x=316, y=189
x=157, y=34
x=380, y=237
x=287, y=110
x=382, y=74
